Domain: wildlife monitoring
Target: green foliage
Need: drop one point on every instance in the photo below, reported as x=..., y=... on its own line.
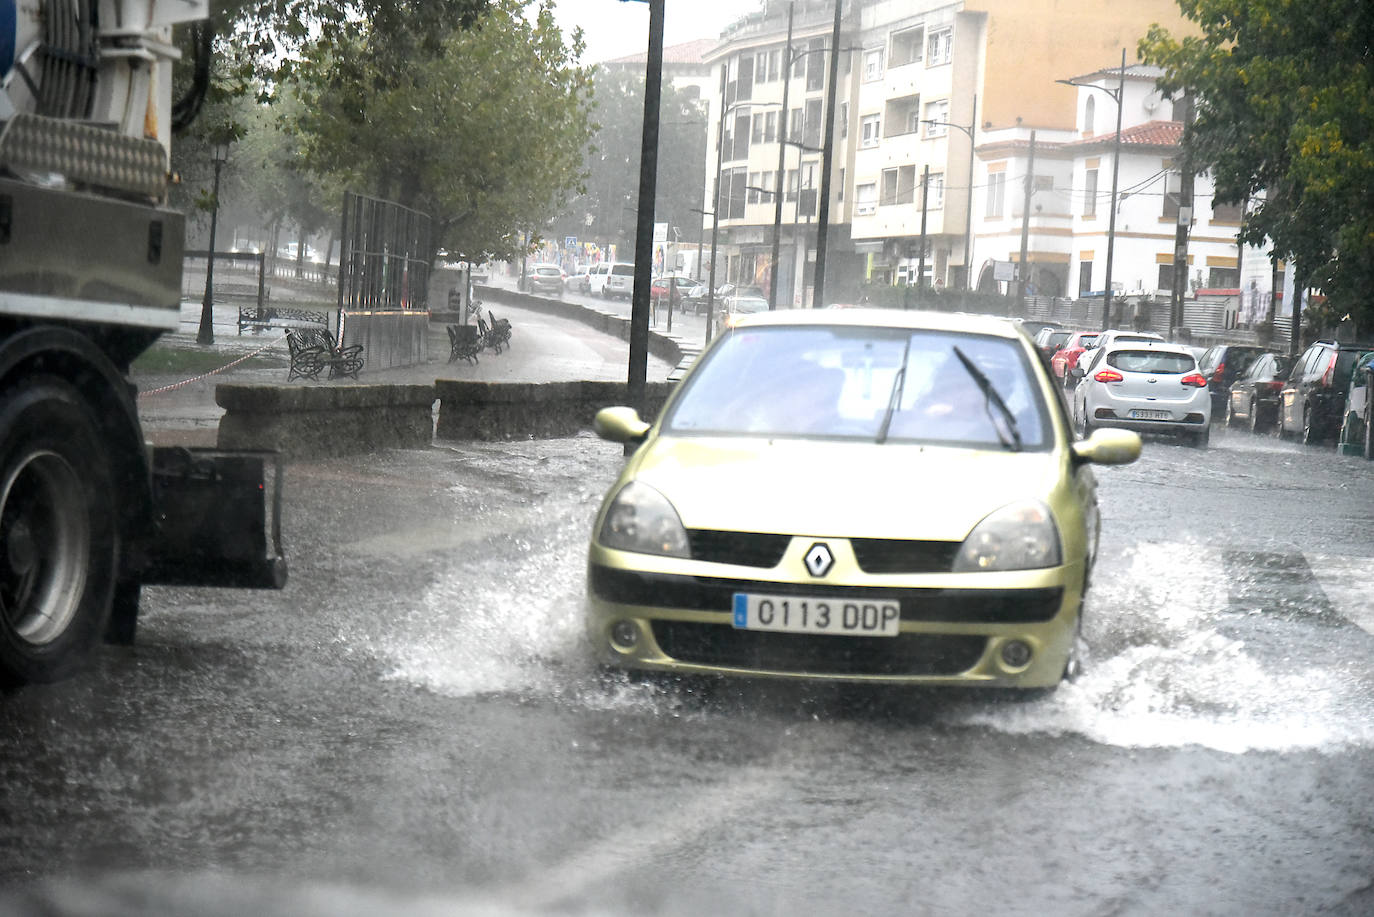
x=1285, y=112
x=612, y=185
x=484, y=128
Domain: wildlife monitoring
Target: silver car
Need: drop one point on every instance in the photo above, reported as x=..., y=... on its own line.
x=1146, y=386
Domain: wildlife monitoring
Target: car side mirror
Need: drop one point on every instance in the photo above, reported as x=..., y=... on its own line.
x=1077, y=372
x=620, y=425
x=1108, y=447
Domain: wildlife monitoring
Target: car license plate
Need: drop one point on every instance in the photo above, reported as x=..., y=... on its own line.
x=810, y=615
x=1152, y=415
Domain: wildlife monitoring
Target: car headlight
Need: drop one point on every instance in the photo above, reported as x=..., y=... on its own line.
x=1019, y=536
x=641, y=519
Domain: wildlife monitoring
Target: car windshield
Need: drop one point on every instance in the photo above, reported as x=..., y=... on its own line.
x=749, y=304
x=839, y=382
x=548, y=271
x=1151, y=361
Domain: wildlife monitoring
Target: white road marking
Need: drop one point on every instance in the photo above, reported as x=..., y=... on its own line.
x=1349, y=586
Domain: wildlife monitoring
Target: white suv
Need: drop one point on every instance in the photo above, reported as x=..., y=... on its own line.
x=612, y=278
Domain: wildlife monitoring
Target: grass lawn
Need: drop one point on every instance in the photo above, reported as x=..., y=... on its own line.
x=165, y=359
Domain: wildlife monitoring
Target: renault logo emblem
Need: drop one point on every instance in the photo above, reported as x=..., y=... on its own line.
x=819, y=560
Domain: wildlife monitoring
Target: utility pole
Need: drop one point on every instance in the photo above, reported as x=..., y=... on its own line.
x=1185, y=220
x=827, y=160
x=1116, y=172
x=921, y=255
x=644, y=229
x=1021, y=268
x=715, y=211
x=782, y=162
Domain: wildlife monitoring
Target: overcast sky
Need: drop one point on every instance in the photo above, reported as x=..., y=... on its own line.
x=616, y=28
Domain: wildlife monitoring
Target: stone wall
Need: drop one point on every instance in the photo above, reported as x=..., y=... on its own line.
x=315, y=420
x=502, y=411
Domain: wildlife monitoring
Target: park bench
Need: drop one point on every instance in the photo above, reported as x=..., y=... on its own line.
x=497, y=333
x=313, y=350
x=465, y=343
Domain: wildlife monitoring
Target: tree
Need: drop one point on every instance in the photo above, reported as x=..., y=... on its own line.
x=1284, y=96
x=484, y=128
x=612, y=164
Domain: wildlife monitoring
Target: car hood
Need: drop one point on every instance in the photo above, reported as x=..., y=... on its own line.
x=892, y=490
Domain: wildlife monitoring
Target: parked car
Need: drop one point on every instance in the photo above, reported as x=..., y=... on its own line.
x=1223, y=364
x=1067, y=357
x=545, y=278
x=580, y=281
x=1253, y=399
x=661, y=285
x=1147, y=386
x=1032, y=327
x=1312, y=401
x=1357, y=434
x=715, y=551
x=1112, y=335
x=732, y=307
x=1050, y=339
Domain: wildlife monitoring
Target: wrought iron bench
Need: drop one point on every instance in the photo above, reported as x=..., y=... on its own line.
x=314, y=349
x=465, y=343
x=274, y=317
x=497, y=333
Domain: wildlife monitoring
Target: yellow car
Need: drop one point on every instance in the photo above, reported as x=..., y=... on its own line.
x=860, y=495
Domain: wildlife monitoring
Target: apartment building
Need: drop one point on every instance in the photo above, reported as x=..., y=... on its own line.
x=935, y=102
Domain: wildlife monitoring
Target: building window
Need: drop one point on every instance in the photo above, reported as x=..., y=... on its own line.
x=869, y=126
x=1166, y=277
x=844, y=120
x=757, y=136
x=761, y=67
x=899, y=186
x=791, y=185
x=939, y=47
x=1090, y=193
x=937, y=112
x=935, y=191
x=1173, y=192
x=770, y=126
x=1089, y=111
x=902, y=115
x=1085, y=278
x=1226, y=213
x=753, y=188
x=745, y=87
x=839, y=196
x=811, y=132
x=907, y=46
x=997, y=189
x=1223, y=278
x=865, y=199
x=795, y=124
x=873, y=65
x=815, y=65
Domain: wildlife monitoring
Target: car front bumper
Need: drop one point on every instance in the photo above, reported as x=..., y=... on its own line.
x=948, y=635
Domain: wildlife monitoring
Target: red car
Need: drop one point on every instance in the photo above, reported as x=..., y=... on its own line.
x=1066, y=357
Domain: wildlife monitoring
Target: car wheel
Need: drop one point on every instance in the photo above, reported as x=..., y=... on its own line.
x=1231, y=413
x=1254, y=418
x=1201, y=438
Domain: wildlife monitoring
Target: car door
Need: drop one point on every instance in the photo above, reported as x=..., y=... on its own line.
x=1290, y=398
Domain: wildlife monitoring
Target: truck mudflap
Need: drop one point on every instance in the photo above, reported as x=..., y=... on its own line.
x=217, y=519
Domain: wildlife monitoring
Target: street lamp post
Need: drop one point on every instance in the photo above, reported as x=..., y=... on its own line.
x=787, y=60
x=1118, y=96
x=968, y=210
x=206, y=333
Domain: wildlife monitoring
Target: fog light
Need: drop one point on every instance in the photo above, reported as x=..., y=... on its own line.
x=1016, y=653
x=624, y=634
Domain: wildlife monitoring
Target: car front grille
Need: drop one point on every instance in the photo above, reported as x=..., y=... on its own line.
x=748, y=549
x=875, y=555
x=698, y=593
x=905, y=654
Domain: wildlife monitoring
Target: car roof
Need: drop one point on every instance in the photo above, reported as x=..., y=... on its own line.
x=1158, y=346
x=914, y=319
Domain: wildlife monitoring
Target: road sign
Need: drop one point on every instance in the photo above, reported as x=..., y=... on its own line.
x=570, y=241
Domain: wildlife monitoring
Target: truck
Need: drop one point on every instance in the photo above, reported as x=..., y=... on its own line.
x=90, y=277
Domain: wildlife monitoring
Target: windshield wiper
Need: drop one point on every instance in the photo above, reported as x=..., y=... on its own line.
x=894, y=399
x=993, y=397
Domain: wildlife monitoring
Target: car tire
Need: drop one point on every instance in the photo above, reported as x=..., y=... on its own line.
x=57, y=500
x=1255, y=425
x=1201, y=438
x=1231, y=414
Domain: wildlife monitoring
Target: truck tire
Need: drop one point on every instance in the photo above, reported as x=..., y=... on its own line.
x=58, y=536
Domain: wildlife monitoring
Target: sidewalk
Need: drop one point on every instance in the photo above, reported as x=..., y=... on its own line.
x=543, y=348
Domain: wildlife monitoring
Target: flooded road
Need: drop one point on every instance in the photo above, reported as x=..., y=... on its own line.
x=412, y=726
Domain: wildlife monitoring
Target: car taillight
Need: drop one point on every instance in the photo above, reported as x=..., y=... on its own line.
x=1108, y=375
x=1274, y=386
x=1194, y=379
x=1216, y=373
x=1330, y=372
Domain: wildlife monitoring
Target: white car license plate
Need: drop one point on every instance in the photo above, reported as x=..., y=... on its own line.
x=810, y=615
x=1152, y=415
